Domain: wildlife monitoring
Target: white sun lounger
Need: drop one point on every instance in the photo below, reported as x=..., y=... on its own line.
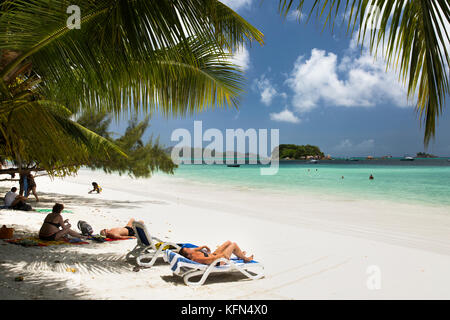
x=188, y=269
x=146, y=247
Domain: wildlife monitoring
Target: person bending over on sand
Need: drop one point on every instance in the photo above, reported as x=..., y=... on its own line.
x=55, y=227
x=96, y=188
x=32, y=186
x=126, y=232
x=27, y=185
x=203, y=254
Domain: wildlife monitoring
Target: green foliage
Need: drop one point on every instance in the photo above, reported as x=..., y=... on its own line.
x=143, y=158
x=296, y=152
x=425, y=155
x=167, y=55
x=412, y=37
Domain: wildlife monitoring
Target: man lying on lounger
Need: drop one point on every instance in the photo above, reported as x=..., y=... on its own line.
x=203, y=254
x=121, y=232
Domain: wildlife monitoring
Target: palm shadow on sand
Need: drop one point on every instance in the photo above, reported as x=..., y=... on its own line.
x=47, y=200
x=56, y=261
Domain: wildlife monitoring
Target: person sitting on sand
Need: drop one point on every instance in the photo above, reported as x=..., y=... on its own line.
x=55, y=227
x=15, y=201
x=96, y=188
x=126, y=232
x=203, y=254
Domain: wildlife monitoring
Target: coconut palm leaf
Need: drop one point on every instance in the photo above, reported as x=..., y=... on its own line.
x=166, y=55
x=174, y=81
x=36, y=133
x=115, y=37
x=144, y=157
x=411, y=34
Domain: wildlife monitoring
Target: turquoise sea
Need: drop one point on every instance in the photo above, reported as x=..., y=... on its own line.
x=425, y=181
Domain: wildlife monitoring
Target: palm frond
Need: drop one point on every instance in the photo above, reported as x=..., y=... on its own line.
x=127, y=34
x=38, y=134
x=175, y=81
x=411, y=35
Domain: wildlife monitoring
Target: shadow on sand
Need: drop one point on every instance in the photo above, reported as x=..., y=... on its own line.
x=47, y=200
x=46, y=271
x=212, y=278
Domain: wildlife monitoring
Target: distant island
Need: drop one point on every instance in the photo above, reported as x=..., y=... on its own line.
x=425, y=155
x=300, y=152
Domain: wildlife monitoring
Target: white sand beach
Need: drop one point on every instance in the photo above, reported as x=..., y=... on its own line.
x=311, y=247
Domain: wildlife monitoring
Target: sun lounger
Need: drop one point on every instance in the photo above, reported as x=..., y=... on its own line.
x=148, y=247
x=188, y=269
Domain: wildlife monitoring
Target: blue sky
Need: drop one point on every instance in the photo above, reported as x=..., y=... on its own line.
x=317, y=88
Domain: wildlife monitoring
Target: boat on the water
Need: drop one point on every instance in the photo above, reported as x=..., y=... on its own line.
x=314, y=161
x=407, y=158
x=233, y=165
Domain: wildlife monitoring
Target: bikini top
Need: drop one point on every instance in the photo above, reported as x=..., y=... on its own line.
x=204, y=253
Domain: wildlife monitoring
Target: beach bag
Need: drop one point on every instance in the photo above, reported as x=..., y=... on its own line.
x=85, y=228
x=6, y=233
x=22, y=206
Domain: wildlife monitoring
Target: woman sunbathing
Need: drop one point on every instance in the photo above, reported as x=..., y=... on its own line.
x=203, y=254
x=55, y=227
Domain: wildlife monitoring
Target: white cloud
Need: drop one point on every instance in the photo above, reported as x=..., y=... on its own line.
x=237, y=4
x=284, y=116
x=266, y=89
x=241, y=58
x=294, y=15
x=347, y=146
x=354, y=81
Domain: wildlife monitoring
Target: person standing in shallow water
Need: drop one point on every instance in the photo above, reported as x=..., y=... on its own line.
x=371, y=177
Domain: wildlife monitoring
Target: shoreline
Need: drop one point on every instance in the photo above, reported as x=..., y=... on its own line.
x=395, y=184
x=312, y=248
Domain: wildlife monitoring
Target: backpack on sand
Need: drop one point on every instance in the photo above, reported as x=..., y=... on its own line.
x=85, y=228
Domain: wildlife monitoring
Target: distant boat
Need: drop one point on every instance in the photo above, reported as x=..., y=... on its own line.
x=233, y=165
x=407, y=158
x=314, y=161
x=354, y=159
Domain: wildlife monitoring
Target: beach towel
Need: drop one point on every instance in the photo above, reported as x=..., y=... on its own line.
x=50, y=210
x=36, y=242
x=109, y=239
x=100, y=238
x=157, y=245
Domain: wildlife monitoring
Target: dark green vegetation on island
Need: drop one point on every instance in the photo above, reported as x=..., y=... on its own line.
x=295, y=152
x=425, y=155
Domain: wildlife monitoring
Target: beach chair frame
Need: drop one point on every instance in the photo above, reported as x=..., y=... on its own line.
x=188, y=269
x=147, y=249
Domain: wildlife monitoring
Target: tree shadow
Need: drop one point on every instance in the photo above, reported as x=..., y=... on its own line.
x=212, y=278
x=48, y=199
x=54, y=271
